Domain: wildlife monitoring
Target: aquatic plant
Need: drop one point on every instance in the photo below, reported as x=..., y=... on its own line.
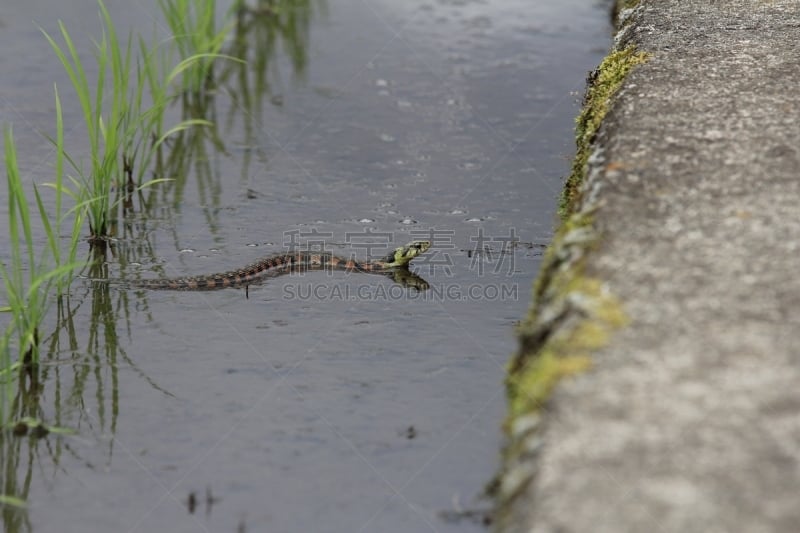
x=32, y=275
x=96, y=184
x=54, y=226
x=28, y=278
x=123, y=130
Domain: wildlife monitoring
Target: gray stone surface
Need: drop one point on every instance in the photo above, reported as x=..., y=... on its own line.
x=689, y=420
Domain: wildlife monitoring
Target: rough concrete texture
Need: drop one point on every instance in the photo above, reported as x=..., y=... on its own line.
x=689, y=420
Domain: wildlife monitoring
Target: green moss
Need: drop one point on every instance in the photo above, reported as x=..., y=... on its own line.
x=603, y=84
x=570, y=230
x=573, y=314
x=531, y=388
x=583, y=314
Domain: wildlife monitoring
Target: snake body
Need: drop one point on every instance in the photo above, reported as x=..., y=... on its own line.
x=394, y=263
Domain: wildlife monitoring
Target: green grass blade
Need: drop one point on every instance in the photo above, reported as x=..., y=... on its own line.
x=189, y=62
x=18, y=207
x=185, y=125
x=52, y=236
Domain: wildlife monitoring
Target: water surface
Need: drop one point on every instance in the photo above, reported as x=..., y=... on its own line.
x=327, y=401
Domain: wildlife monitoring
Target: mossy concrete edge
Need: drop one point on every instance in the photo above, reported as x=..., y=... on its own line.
x=572, y=313
x=602, y=85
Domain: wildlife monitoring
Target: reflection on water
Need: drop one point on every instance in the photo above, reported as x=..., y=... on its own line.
x=291, y=407
x=259, y=35
x=260, y=32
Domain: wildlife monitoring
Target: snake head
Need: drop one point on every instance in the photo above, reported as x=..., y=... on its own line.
x=403, y=255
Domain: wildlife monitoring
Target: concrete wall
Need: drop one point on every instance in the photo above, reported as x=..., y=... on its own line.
x=657, y=385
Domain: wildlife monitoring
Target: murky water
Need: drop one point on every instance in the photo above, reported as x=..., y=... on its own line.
x=324, y=401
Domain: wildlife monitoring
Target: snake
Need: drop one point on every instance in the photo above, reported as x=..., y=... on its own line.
x=395, y=265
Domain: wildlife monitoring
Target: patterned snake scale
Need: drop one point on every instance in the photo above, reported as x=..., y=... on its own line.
x=281, y=264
